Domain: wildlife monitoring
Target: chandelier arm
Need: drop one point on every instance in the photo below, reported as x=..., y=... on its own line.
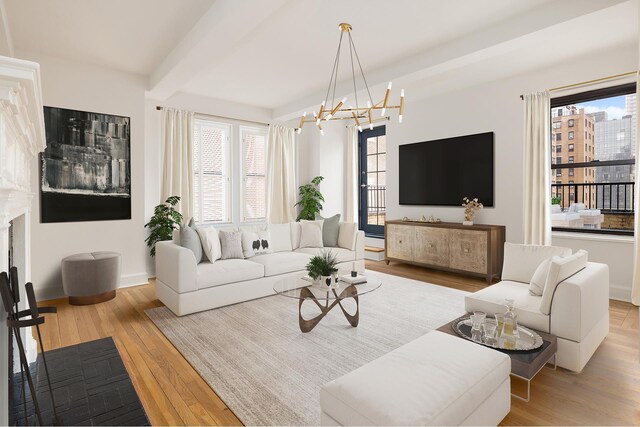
x=361, y=71
x=353, y=73
x=333, y=70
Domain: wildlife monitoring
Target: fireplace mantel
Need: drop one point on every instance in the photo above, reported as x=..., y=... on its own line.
x=22, y=137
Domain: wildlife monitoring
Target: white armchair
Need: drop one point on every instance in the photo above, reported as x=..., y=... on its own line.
x=579, y=314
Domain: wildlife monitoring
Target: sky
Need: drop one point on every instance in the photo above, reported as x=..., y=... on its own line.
x=613, y=106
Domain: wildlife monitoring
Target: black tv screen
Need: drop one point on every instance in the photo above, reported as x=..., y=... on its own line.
x=444, y=171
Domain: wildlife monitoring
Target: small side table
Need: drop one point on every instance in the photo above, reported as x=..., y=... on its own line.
x=524, y=364
x=91, y=278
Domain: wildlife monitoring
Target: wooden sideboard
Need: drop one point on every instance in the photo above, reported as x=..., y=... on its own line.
x=469, y=249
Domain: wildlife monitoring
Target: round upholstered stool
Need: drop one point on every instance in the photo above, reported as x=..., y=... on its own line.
x=91, y=278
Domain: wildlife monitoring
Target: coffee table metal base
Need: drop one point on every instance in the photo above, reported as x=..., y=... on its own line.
x=307, y=325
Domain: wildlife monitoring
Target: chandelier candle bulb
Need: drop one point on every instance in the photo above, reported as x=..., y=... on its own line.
x=401, y=106
x=302, y=122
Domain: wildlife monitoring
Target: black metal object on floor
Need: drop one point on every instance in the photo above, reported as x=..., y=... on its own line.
x=90, y=384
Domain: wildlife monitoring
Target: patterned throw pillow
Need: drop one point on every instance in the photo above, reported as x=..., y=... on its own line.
x=231, y=244
x=256, y=243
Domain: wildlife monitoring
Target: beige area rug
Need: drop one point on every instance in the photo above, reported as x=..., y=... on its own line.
x=269, y=373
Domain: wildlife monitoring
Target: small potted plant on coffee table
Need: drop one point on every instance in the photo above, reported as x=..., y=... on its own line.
x=322, y=269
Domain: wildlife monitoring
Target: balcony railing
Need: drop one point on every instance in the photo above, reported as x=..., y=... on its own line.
x=376, y=198
x=611, y=197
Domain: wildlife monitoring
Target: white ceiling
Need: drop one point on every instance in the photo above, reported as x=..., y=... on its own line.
x=126, y=35
x=278, y=54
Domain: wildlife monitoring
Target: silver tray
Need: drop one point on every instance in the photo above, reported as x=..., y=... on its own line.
x=527, y=339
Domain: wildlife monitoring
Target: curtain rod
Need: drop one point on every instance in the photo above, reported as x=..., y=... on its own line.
x=160, y=108
x=602, y=79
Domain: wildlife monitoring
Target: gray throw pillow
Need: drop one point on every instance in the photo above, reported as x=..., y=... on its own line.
x=189, y=239
x=231, y=243
x=330, y=230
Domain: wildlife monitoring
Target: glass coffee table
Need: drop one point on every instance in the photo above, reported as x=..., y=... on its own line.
x=325, y=298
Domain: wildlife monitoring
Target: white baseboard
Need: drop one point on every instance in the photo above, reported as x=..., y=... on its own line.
x=619, y=293
x=126, y=281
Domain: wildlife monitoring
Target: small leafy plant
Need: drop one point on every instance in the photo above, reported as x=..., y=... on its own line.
x=310, y=199
x=322, y=265
x=165, y=219
x=555, y=200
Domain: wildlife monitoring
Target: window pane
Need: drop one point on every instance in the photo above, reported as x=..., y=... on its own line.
x=382, y=179
x=371, y=145
x=382, y=162
x=210, y=159
x=382, y=144
x=372, y=179
x=372, y=163
x=597, y=197
x=254, y=143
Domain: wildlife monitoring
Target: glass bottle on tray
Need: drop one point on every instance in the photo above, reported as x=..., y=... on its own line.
x=509, y=333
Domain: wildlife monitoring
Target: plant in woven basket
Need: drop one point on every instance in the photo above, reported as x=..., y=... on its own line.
x=322, y=265
x=310, y=198
x=165, y=219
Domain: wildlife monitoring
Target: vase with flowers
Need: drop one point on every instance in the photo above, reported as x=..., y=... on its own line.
x=470, y=207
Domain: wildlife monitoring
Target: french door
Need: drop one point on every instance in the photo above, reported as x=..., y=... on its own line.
x=372, y=148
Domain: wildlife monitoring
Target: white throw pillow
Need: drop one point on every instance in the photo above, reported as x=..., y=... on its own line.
x=536, y=286
x=280, y=237
x=256, y=243
x=521, y=261
x=210, y=243
x=347, y=235
x=561, y=269
x=295, y=235
x=311, y=234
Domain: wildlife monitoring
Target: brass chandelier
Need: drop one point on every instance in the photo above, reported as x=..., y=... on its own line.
x=337, y=111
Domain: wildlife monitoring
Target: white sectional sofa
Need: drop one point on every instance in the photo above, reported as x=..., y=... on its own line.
x=187, y=287
x=579, y=305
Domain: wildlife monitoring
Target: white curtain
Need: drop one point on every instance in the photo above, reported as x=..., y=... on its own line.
x=177, y=163
x=281, y=175
x=351, y=209
x=635, y=286
x=537, y=169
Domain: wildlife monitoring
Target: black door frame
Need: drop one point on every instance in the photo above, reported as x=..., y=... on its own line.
x=369, y=230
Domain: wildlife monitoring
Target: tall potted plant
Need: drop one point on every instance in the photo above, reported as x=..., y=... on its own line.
x=165, y=219
x=310, y=199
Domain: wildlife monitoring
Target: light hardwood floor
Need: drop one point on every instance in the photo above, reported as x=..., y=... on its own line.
x=607, y=392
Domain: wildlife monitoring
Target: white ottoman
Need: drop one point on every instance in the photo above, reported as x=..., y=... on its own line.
x=437, y=379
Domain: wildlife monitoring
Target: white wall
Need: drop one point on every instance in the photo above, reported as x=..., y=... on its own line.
x=85, y=87
x=496, y=107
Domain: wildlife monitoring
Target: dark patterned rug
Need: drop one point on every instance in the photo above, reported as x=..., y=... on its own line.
x=90, y=385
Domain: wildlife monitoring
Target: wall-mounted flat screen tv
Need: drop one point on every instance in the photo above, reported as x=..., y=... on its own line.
x=444, y=171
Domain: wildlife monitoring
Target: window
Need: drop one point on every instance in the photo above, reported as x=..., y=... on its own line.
x=558, y=148
x=254, y=151
x=557, y=125
x=211, y=171
x=606, y=181
x=558, y=137
x=570, y=122
x=373, y=180
x=558, y=160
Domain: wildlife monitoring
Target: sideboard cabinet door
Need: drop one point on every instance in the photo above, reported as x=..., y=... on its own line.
x=400, y=242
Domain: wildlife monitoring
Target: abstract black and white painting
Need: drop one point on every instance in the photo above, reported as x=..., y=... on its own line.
x=85, y=168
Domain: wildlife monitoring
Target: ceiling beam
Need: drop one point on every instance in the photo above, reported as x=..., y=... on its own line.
x=6, y=44
x=218, y=33
x=510, y=35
